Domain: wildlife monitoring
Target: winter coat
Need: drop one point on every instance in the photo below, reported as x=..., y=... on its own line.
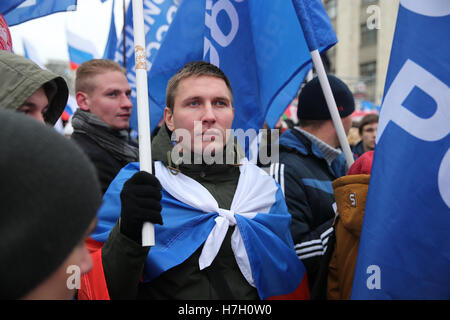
x=305, y=177
x=21, y=78
x=123, y=259
x=106, y=164
x=350, y=193
x=358, y=150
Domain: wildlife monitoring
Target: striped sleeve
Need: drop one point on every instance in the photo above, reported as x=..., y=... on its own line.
x=315, y=247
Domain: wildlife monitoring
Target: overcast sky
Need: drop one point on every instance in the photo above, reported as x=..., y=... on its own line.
x=47, y=35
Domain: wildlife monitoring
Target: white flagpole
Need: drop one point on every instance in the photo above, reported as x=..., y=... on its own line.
x=145, y=154
x=324, y=83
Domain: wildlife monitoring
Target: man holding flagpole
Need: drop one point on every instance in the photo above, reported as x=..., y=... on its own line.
x=225, y=224
x=310, y=159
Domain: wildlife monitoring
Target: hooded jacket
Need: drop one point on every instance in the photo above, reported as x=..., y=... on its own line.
x=351, y=193
x=21, y=78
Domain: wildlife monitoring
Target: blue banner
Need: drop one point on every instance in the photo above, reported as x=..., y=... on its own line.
x=259, y=45
x=404, y=250
x=8, y=5
x=32, y=9
x=111, y=44
x=157, y=17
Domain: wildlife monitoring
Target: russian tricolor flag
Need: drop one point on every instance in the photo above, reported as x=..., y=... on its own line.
x=261, y=241
x=80, y=49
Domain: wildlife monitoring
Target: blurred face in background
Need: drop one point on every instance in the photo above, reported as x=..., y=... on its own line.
x=368, y=135
x=109, y=99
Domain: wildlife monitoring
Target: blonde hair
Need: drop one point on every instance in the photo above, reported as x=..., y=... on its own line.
x=87, y=70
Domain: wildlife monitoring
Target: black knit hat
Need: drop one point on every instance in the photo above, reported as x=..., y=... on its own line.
x=49, y=195
x=313, y=106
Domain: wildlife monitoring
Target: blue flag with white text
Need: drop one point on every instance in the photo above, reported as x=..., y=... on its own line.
x=259, y=45
x=32, y=9
x=404, y=250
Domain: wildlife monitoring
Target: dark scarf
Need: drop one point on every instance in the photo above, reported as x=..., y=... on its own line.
x=115, y=141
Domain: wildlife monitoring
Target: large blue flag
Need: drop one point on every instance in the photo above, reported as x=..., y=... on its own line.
x=158, y=16
x=260, y=46
x=404, y=251
x=32, y=9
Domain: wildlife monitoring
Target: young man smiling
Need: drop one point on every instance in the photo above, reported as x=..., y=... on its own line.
x=226, y=225
x=102, y=121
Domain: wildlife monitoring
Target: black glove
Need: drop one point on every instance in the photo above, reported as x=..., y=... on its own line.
x=140, y=197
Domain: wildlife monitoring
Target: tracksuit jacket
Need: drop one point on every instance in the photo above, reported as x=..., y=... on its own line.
x=305, y=178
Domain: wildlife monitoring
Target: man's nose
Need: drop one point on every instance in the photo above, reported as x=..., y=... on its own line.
x=209, y=114
x=125, y=102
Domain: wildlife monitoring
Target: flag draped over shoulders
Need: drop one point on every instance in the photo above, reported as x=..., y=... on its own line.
x=261, y=242
x=404, y=250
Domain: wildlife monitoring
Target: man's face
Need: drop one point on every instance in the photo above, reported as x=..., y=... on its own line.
x=368, y=135
x=36, y=105
x=61, y=284
x=110, y=99
x=204, y=101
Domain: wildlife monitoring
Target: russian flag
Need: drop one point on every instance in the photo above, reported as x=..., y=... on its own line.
x=80, y=49
x=261, y=242
x=70, y=108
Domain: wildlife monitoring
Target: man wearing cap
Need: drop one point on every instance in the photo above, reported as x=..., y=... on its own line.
x=49, y=201
x=27, y=88
x=310, y=159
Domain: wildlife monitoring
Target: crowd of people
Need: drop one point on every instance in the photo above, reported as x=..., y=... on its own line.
x=223, y=229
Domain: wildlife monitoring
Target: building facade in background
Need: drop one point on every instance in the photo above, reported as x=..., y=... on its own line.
x=365, y=30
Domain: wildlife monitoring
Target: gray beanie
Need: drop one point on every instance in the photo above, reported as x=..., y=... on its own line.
x=49, y=195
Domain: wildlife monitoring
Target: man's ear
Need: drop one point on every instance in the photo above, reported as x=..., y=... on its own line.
x=168, y=118
x=82, y=100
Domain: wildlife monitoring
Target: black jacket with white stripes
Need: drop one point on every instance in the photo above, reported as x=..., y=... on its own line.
x=305, y=178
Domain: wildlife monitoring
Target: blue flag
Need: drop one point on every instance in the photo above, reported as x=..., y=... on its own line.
x=157, y=18
x=315, y=23
x=32, y=9
x=8, y=5
x=111, y=44
x=404, y=250
x=259, y=45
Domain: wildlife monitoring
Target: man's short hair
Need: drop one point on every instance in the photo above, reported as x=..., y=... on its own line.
x=193, y=69
x=313, y=124
x=87, y=70
x=367, y=119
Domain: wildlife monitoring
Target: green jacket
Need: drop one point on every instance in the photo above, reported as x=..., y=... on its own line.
x=123, y=259
x=21, y=78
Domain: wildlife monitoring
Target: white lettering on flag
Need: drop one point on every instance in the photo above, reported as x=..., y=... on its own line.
x=27, y=3
x=444, y=178
x=433, y=128
x=432, y=8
